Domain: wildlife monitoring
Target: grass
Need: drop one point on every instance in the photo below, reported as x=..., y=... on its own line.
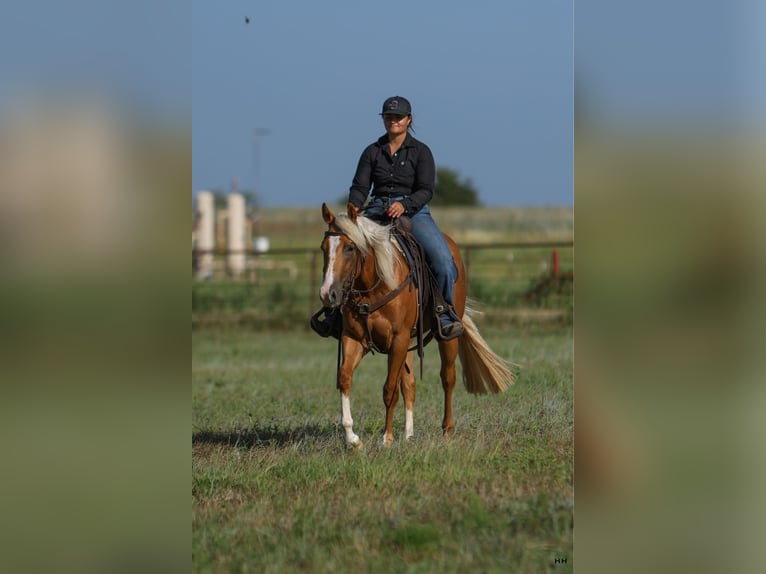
x=275, y=490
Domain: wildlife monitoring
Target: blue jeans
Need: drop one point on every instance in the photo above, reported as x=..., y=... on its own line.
x=425, y=230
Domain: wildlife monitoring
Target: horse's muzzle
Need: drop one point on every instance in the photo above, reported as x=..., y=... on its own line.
x=331, y=297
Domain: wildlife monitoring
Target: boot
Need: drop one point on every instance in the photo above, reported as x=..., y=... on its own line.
x=448, y=326
x=329, y=326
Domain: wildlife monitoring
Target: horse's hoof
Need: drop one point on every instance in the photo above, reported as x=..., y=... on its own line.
x=358, y=445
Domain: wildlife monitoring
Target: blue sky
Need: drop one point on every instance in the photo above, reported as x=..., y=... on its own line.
x=683, y=61
x=135, y=54
x=490, y=84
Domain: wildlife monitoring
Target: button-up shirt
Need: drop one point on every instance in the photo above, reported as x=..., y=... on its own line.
x=410, y=172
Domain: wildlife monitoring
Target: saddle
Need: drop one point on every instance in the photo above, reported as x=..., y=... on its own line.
x=430, y=300
x=429, y=296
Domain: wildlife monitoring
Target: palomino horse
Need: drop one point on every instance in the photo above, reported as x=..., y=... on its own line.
x=369, y=279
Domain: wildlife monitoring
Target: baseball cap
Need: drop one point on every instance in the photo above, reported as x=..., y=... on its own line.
x=396, y=105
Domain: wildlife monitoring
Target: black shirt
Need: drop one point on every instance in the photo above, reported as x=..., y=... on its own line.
x=411, y=172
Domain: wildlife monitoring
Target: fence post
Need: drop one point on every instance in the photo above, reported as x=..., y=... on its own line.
x=467, y=263
x=555, y=263
x=235, y=235
x=205, y=243
x=313, y=282
x=467, y=267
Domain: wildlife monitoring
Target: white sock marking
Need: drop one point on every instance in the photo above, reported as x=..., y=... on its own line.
x=347, y=421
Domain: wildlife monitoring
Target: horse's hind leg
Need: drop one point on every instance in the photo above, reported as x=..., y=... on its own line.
x=408, y=394
x=448, y=353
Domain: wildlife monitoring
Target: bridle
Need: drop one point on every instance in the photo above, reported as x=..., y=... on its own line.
x=355, y=296
x=360, y=259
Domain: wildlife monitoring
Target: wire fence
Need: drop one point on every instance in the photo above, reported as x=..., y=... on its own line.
x=499, y=275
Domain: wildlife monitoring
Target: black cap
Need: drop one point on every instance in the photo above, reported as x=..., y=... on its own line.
x=396, y=105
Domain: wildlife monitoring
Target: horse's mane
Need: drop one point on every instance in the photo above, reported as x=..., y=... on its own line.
x=367, y=234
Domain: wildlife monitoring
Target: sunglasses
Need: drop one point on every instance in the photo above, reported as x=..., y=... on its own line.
x=393, y=118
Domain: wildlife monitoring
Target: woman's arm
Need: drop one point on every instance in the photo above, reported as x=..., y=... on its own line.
x=425, y=179
x=360, y=186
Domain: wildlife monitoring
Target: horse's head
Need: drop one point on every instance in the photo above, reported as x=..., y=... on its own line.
x=343, y=260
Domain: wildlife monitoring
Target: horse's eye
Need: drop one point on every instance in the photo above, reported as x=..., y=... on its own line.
x=348, y=249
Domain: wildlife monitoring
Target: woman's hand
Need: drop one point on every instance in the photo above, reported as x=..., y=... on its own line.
x=395, y=210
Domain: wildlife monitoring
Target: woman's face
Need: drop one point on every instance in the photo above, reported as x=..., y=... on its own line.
x=396, y=124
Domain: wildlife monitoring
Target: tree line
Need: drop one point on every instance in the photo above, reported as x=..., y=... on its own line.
x=450, y=189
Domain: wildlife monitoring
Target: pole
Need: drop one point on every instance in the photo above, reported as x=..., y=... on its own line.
x=313, y=282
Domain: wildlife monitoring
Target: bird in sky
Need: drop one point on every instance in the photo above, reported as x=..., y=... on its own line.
x=247, y=20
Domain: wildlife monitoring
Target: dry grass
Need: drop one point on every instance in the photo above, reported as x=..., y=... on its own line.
x=275, y=490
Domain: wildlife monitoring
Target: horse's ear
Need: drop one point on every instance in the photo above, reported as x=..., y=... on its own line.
x=327, y=215
x=352, y=211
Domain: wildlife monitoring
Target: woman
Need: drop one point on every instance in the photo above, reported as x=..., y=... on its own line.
x=401, y=172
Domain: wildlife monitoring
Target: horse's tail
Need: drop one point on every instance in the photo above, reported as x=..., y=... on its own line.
x=483, y=369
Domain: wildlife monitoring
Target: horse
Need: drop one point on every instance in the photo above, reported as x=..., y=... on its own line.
x=369, y=279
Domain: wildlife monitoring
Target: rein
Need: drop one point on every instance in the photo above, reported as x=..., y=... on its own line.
x=367, y=308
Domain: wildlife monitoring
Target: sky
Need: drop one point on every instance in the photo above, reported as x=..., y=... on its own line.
x=285, y=104
x=679, y=61
x=135, y=54
x=491, y=82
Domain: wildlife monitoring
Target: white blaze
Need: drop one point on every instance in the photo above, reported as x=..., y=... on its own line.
x=328, y=276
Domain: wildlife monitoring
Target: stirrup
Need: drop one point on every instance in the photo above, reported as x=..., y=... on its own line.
x=452, y=331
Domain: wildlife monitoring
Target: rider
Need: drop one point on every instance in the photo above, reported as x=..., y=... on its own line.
x=401, y=172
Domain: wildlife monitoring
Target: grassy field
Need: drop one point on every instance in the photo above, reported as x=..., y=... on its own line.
x=275, y=490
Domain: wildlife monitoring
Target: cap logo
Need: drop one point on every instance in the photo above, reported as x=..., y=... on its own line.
x=393, y=105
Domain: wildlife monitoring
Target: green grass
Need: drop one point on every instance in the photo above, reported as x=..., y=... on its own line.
x=275, y=490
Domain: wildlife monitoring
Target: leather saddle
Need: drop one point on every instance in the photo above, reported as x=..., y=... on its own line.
x=430, y=301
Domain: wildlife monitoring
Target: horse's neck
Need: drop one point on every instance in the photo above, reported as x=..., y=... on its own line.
x=370, y=278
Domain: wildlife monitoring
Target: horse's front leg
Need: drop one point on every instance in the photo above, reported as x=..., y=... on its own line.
x=396, y=357
x=408, y=394
x=352, y=355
